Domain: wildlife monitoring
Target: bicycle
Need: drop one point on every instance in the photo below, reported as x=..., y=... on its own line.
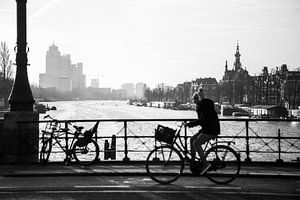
x=165, y=163
x=82, y=148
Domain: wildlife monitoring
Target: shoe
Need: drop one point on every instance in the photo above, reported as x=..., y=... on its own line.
x=205, y=167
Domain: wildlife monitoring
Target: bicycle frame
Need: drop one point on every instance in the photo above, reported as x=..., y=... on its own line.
x=66, y=148
x=180, y=146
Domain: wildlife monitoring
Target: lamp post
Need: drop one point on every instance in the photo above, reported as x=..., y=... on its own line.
x=21, y=98
x=19, y=140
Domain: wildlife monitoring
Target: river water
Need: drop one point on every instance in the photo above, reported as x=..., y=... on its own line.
x=94, y=110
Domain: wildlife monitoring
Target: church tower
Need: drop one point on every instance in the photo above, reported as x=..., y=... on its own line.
x=237, y=63
x=226, y=67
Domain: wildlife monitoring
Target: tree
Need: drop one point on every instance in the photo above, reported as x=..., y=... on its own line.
x=6, y=73
x=5, y=62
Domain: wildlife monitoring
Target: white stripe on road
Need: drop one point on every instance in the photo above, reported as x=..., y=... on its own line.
x=101, y=186
x=215, y=188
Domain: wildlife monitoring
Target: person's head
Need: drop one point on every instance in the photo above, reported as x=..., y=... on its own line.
x=200, y=93
x=196, y=98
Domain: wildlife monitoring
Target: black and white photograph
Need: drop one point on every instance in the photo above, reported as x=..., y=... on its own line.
x=149, y=99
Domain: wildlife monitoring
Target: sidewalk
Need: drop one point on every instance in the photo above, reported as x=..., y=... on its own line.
x=134, y=169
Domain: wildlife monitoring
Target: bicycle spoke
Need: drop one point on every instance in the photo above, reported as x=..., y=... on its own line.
x=86, y=154
x=164, y=164
x=225, y=164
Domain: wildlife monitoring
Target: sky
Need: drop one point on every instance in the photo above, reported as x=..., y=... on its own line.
x=157, y=41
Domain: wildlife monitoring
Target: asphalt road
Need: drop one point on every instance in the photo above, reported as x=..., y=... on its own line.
x=141, y=187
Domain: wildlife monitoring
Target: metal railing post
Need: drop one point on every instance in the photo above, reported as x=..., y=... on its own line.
x=248, y=159
x=279, y=160
x=126, y=159
x=67, y=141
x=185, y=141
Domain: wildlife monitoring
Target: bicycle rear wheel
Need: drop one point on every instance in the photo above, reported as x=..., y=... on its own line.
x=45, y=151
x=225, y=164
x=164, y=164
x=86, y=154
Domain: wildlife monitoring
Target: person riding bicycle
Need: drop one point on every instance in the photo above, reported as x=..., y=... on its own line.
x=209, y=121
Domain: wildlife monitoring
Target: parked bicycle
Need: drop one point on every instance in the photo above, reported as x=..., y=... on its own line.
x=165, y=163
x=82, y=148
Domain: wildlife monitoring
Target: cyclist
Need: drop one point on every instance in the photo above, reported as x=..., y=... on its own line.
x=209, y=121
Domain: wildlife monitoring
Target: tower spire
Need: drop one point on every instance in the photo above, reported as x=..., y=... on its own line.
x=237, y=63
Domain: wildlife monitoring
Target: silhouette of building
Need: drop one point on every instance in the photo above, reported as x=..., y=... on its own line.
x=279, y=87
x=209, y=85
x=94, y=83
x=60, y=73
x=236, y=87
x=140, y=89
x=129, y=87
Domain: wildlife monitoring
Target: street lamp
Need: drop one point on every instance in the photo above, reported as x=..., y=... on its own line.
x=21, y=98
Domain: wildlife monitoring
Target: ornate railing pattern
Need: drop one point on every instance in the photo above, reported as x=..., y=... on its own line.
x=270, y=140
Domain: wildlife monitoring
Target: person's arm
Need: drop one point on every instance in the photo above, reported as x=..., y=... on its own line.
x=193, y=123
x=197, y=121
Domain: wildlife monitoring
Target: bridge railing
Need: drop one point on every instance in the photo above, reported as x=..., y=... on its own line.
x=267, y=140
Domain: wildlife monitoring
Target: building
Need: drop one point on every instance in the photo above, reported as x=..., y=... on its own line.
x=209, y=85
x=61, y=73
x=236, y=87
x=94, y=83
x=129, y=87
x=119, y=94
x=290, y=87
x=279, y=87
x=140, y=89
x=267, y=88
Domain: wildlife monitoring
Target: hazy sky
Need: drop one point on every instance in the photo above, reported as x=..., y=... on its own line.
x=158, y=41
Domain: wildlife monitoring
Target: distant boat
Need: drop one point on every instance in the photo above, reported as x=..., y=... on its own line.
x=240, y=114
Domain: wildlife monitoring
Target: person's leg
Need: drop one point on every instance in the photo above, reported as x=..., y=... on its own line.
x=201, y=139
x=193, y=150
x=198, y=141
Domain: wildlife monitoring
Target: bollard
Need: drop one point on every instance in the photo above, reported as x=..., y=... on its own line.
x=110, y=151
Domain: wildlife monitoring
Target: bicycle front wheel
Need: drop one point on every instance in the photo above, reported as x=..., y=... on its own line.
x=225, y=164
x=45, y=151
x=86, y=154
x=164, y=164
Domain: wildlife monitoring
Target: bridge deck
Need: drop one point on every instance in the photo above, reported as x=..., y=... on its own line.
x=135, y=169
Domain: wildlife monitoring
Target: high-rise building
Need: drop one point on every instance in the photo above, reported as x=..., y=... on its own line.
x=140, y=89
x=129, y=87
x=94, y=83
x=61, y=73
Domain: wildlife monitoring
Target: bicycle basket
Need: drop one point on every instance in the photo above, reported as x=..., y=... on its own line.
x=165, y=134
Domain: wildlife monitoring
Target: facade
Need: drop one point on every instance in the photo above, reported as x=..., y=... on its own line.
x=209, y=85
x=140, y=89
x=236, y=87
x=183, y=92
x=129, y=87
x=290, y=87
x=119, y=94
x=280, y=87
x=267, y=88
x=94, y=83
x=61, y=73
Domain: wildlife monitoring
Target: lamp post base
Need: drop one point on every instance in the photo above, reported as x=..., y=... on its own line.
x=19, y=141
